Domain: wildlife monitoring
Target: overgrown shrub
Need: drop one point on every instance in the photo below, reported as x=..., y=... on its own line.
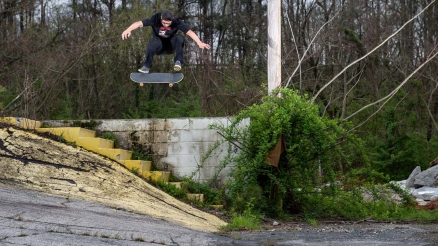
x=317, y=149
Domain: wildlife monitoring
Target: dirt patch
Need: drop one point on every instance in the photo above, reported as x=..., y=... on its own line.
x=429, y=206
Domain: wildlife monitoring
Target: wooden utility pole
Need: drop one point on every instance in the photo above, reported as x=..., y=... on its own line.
x=274, y=44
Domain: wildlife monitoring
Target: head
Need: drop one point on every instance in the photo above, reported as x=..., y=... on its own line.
x=166, y=18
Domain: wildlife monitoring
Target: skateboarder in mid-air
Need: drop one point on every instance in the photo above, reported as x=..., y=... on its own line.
x=166, y=40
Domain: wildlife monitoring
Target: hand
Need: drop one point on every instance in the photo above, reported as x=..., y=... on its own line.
x=126, y=34
x=204, y=45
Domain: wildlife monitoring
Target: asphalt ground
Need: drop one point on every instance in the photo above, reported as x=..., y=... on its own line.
x=29, y=217
x=32, y=218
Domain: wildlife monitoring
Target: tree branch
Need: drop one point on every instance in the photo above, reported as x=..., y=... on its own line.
x=390, y=95
x=367, y=54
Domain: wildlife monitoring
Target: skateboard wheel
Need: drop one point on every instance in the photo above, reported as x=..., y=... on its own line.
x=170, y=85
x=141, y=84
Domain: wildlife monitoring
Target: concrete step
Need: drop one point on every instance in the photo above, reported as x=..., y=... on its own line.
x=139, y=165
x=10, y=120
x=196, y=197
x=29, y=124
x=193, y=197
x=70, y=134
x=176, y=184
x=216, y=207
x=157, y=176
x=115, y=154
x=94, y=144
x=22, y=122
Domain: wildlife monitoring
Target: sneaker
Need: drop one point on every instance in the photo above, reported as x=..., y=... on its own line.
x=177, y=66
x=144, y=69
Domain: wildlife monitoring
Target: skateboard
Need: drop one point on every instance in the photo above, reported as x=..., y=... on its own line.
x=146, y=78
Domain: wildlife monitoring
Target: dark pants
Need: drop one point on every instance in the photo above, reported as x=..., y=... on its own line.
x=160, y=46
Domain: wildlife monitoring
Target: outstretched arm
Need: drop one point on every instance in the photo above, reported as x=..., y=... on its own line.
x=196, y=39
x=131, y=28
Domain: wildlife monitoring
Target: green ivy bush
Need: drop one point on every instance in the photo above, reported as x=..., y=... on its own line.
x=319, y=151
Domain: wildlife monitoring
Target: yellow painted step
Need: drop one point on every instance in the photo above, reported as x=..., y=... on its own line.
x=115, y=154
x=176, y=184
x=141, y=166
x=22, y=122
x=10, y=120
x=157, y=176
x=196, y=197
x=216, y=207
x=94, y=144
x=70, y=134
x=30, y=124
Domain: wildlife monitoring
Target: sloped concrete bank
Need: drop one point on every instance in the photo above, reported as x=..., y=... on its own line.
x=33, y=218
x=55, y=168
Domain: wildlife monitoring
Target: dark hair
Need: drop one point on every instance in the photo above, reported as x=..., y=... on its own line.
x=166, y=15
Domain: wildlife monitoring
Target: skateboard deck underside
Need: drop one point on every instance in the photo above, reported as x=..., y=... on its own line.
x=157, y=77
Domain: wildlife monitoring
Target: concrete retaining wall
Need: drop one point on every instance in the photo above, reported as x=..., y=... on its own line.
x=177, y=145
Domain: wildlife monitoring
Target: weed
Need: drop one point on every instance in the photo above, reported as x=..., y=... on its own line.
x=313, y=222
x=110, y=136
x=211, y=195
x=61, y=138
x=404, y=194
x=45, y=125
x=248, y=220
x=250, y=192
x=242, y=222
x=141, y=154
x=139, y=239
x=172, y=190
x=85, y=124
x=135, y=170
x=71, y=143
x=139, y=151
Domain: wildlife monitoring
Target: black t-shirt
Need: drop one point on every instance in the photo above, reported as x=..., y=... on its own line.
x=165, y=32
